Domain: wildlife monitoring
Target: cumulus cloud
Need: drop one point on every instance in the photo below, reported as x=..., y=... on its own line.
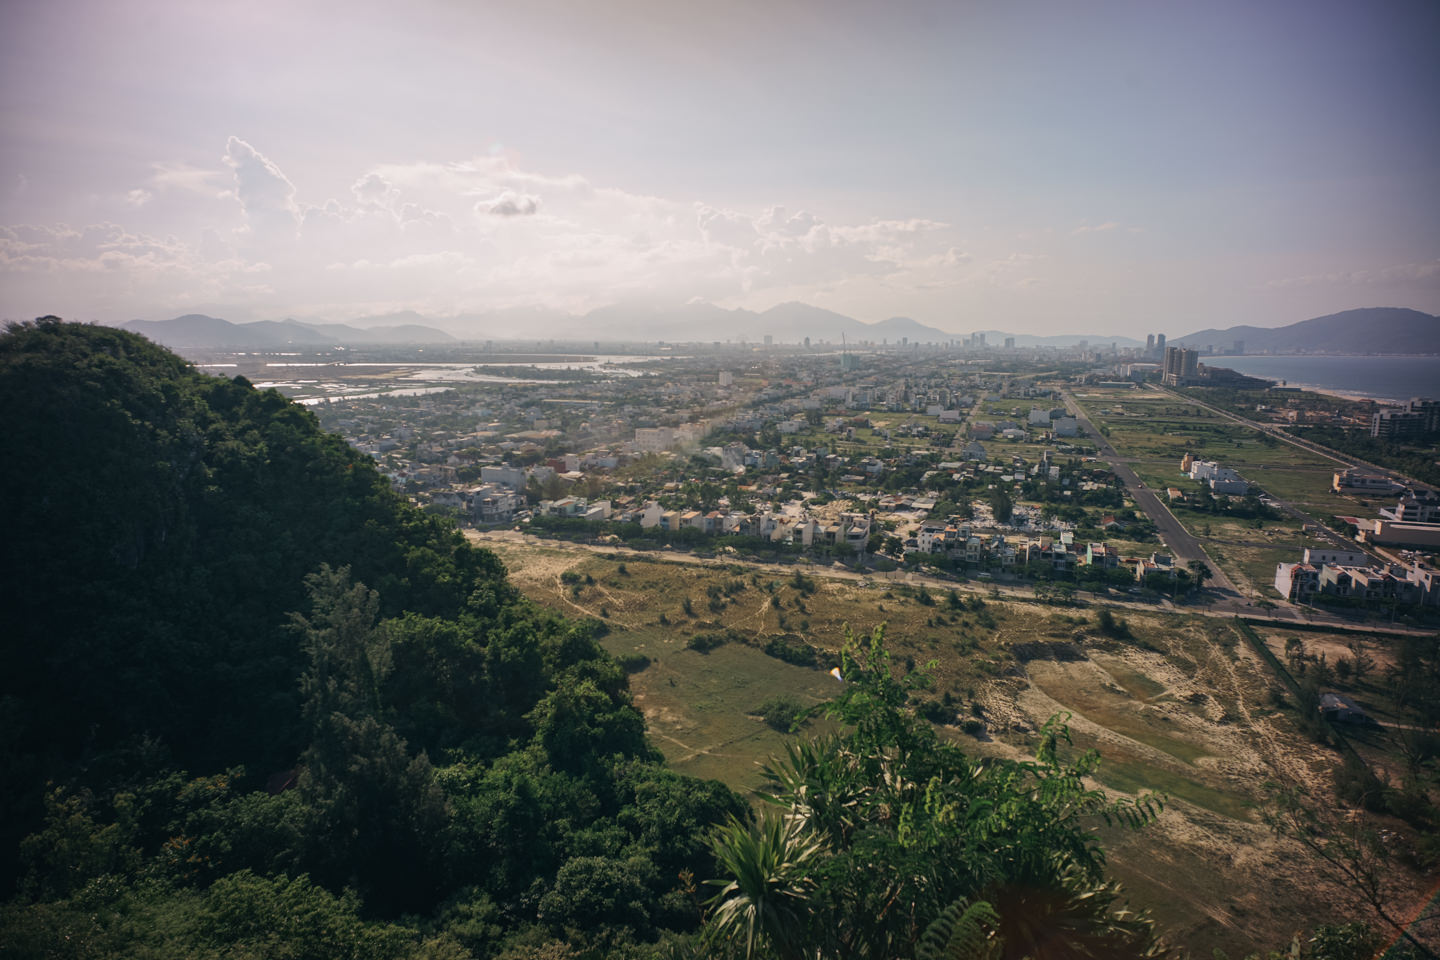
x=725, y=227
x=473, y=234
x=105, y=267
x=374, y=190
x=777, y=220
x=266, y=195
x=509, y=204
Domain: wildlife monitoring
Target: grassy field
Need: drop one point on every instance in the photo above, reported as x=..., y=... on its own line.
x=702, y=708
x=1178, y=705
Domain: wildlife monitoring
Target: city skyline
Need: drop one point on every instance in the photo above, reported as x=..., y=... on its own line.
x=1042, y=168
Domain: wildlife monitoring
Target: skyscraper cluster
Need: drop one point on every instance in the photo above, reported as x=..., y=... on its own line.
x=1182, y=365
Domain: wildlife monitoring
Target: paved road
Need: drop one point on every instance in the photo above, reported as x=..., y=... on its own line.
x=1184, y=547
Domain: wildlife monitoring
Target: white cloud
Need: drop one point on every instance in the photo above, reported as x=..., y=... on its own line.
x=725, y=227
x=266, y=195
x=777, y=220
x=408, y=235
x=509, y=204
x=374, y=190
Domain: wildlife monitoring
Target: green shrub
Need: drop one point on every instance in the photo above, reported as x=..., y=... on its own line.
x=781, y=713
x=705, y=642
x=633, y=662
x=936, y=712
x=791, y=649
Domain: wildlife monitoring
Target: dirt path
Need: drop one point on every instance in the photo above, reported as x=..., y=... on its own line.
x=1281, y=616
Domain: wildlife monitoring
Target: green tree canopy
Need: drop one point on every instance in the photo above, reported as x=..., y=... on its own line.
x=885, y=839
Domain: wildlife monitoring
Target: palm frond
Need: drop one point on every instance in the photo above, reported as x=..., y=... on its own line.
x=962, y=931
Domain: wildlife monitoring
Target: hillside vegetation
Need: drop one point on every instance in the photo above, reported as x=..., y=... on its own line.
x=242, y=679
x=255, y=705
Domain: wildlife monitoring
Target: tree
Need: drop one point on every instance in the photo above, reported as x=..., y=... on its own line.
x=148, y=668
x=595, y=893
x=1357, y=861
x=1361, y=661
x=1355, y=858
x=553, y=488
x=378, y=813
x=762, y=905
x=349, y=658
x=1200, y=571
x=884, y=828
x=1001, y=503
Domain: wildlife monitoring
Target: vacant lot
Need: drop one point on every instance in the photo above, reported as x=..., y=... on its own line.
x=1173, y=704
x=1154, y=433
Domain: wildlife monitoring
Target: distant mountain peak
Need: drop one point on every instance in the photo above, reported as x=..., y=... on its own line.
x=196, y=331
x=1360, y=331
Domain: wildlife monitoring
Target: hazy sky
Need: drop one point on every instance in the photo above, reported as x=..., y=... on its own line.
x=1041, y=167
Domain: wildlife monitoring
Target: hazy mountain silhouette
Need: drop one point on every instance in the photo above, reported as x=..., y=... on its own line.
x=1367, y=330
x=196, y=330
x=1372, y=330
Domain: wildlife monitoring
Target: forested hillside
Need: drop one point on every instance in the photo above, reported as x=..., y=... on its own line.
x=254, y=705
x=242, y=681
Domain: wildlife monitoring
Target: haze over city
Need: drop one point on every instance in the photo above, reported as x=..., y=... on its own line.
x=1036, y=167
x=685, y=481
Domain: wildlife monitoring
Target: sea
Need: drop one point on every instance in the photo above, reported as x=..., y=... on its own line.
x=1392, y=379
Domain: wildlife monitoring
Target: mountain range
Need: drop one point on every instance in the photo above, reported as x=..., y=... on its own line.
x=1368, y=330
x=784, y=323
x=789, y=322
x=197, y=331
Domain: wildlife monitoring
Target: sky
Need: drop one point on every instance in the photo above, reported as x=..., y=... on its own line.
x=1038, y=167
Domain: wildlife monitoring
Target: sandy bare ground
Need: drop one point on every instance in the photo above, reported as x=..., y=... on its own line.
x=1190, y=718
x=1211, y=878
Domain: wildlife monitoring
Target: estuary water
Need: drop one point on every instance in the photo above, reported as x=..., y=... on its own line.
x=1380, y=378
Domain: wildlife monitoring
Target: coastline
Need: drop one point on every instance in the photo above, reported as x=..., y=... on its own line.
x=1348, y=395
x=1386, y=380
